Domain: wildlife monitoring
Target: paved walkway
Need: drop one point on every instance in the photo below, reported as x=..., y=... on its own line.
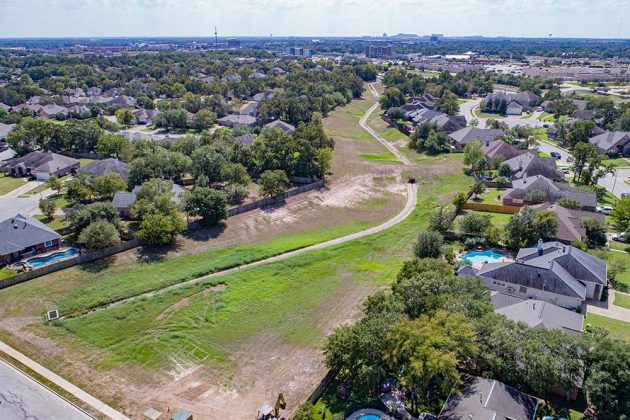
x=609, y=309
x=412, y=199
x=388, y=145
x=63, y=384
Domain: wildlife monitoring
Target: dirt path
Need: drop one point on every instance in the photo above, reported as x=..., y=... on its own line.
x=412, y=198
x=63, y=384
x=388, y=145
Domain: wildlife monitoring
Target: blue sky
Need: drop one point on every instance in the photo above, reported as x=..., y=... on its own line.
x=97, y=18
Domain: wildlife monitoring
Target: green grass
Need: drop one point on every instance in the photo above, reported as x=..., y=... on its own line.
x=40, y=188
x=57, y=222
x=543, y=154
x=490, y=196
x=287, y=297
x=498, y=219
x=477, y=112
x=8, y=183
x=84, y=162
x=541, y=134
x=60, y=201
x=619, y=162
x=5, y=272
x=613, y=326
x=381, y=157
x=622, y=300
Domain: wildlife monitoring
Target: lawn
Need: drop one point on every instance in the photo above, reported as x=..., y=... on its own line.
x=498, y=219
x=381, y=157
x=613, y=326
x=481, y=114
x=284, y=296
x=623, y=279
x=57, y=222
x=84, y=161
x=543, y=154
x=541, y=134
x=489, y=197
x=619, y=162
x=622, y=300
x=5, y=272
x=9, y=183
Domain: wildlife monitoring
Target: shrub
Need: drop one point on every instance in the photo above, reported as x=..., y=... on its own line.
x=470, y=243
x=460, y=199
x=99, y=235
x=475, y=223
x=441, y=218
x=429, y=244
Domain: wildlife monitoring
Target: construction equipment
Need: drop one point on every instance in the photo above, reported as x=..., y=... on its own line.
x=280, y=404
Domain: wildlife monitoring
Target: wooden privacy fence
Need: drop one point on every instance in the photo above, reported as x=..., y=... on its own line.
x=494, y=208
x=81, y=259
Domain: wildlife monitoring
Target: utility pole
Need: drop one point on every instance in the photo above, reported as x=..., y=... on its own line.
x=216, y=38
x=615, y=181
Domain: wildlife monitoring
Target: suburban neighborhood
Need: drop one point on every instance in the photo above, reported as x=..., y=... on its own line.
x=297, y=227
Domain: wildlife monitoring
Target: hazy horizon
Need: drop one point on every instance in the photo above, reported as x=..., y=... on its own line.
x=304, y=18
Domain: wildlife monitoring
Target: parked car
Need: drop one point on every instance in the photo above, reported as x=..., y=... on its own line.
x=545, y=125
x=624, y=195
x=555, y=155
x=565, y=170
x=621, y=236
x=604, y=209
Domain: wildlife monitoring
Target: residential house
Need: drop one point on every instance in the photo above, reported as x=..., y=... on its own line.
x=124, y=101
x=444, y=122
x=488, y=399
x=263, y=96
x=4, y=130
x=231, y=77
x=123, y=200
x=552, y=131
x=145, y=116
x=235, y=120
x=249, y=108
x=277, y=71
x=537, y=313
x=93, y=91
x=500, y=148
x=612, y=142
x=461, y=138
x=257, y=75
x=106, y=166
x=552, y=271
x=51, y=111
x=583, y=114
x=42, y=165
x=530, y=164
x=78, y=111
x=5, y=106
x=286, y=127
x=246, y=138
x=570, y=226
x=208, y=79
x=512, y=103
x=521, y=189
x=514, y=108
x=22, y=236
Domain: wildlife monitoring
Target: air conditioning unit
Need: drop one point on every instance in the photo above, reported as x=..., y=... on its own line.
x=510, y=289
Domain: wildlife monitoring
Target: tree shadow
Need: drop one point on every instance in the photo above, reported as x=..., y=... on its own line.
x=97, y=266
x=156, y=253
x=205, y=233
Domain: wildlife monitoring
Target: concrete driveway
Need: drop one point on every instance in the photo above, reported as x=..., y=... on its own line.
x=21, y=397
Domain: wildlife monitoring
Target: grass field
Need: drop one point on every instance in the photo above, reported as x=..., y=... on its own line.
x=615, y=327
x=619, y=162
x=133, y=332
x=381, y=157
x=5, y=272
x=8, y=183
x=57, y=222
x=498, y=219
x=480, y=114
x=622, y=300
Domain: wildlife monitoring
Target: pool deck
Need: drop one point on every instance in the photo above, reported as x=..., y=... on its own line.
x=504, y=258
x=366, y=412
x=23, y=263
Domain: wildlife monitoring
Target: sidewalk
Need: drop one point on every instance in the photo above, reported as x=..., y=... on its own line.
x=62, y=383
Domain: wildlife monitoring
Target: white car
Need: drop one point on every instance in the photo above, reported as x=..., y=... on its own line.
x=621, y=236
x=604, y=210
x=565, y=170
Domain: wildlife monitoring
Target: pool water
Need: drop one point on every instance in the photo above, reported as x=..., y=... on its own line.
x=39, y=261
x=370, y=417
x=480, y=257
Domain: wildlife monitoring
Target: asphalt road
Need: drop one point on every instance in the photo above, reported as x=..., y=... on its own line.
x=21, y=398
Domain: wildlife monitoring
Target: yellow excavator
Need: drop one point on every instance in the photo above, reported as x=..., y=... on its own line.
x=280, y=404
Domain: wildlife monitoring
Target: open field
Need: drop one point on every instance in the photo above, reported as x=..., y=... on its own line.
x=8, y=183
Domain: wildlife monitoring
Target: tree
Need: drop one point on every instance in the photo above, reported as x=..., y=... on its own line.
x=584, y=154
x=78, y=188
x=429, y=244
x=475, y=224
x=441, y=218
x=502, y=182
x=99, y=234
x=160, y=229
x=55, y=184
x=391, y=98
x=474, y=156
x=81, y=216
x=209, y=204
x=460, y=199
x=505, y=170
x=207, y=161
x=546, y=223
x=520, y=228
x=579, y=132
x=204, y=119
x=324, y=161
x=478, y=188
x=569, y=203
x=306, y=411
x=396, y=113
x=48, y=208
x=107, y=185
x=273, y=183
x=595, y=231
x=621, y=214
x=536, y=195
x=235, y=173
x=124, y=116
x=111, y=145
x=435, y=143
x=447, y=103
x=235, y=193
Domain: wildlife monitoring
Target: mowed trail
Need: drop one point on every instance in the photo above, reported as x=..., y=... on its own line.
x=388, y=145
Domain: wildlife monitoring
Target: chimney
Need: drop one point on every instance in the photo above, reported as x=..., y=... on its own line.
x=520, y=163
x=539, y=248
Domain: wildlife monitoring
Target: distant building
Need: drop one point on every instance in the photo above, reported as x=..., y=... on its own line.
x=377, y=51
x=233, y=43
x=436, y=37
x=286, y=127
x=300, y=52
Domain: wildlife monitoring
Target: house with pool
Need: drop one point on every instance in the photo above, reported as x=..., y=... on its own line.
x=552, y=272
x=23, y=236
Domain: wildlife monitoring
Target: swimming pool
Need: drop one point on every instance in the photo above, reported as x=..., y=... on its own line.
x=370, y=417
x=480, y=257
x=39, y=261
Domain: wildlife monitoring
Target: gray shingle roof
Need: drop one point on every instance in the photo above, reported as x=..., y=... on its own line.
x=553, y=190
x=470, y=134
x=531, y=164
x=106, y=166
x=22, y=232
x=537, y=313
x=570, y=227
x=43, y=162
x=610, y=140
x=286, y=127
x=488, y=399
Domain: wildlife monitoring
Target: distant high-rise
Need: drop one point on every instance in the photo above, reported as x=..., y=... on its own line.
x=436, y=37
x=300, y=52
x=233, y=43
x=376, y=51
